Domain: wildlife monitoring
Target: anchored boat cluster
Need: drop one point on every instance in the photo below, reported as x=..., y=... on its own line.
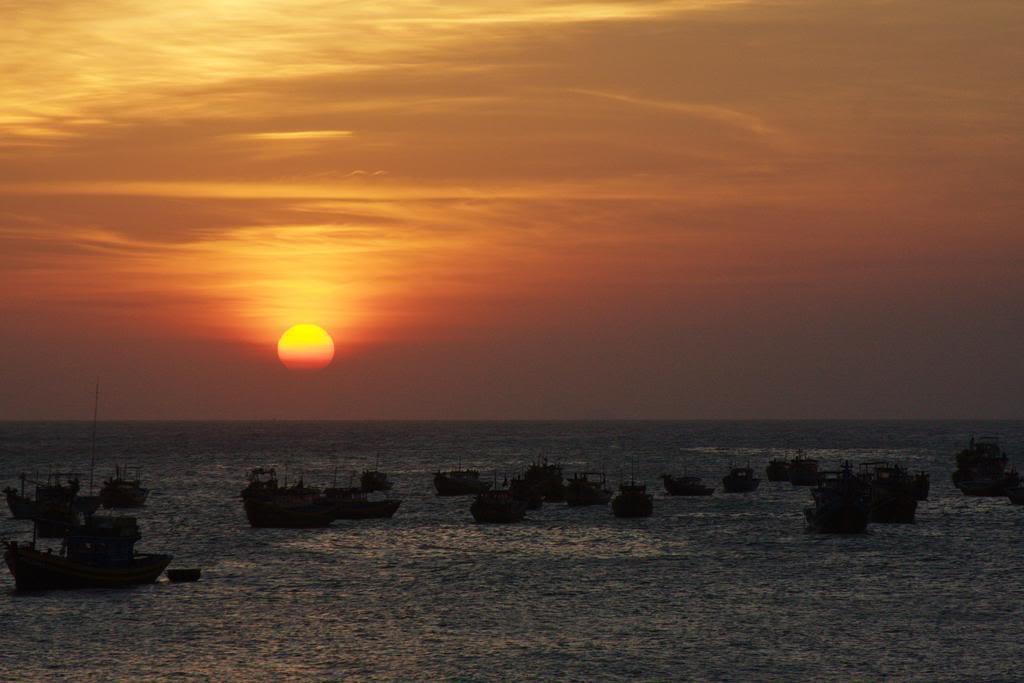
x=99, y=550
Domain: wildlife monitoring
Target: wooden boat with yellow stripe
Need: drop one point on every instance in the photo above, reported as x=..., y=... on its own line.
x=98, y=554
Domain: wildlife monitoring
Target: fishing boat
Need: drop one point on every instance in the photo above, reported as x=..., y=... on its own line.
x=983, y=469
x=124, y=489
x=777, y=470
x=97, y=554
x=53, y=509
x=686, y=486
x=633, y=501
x=547, y=477
x=530, y=493
x=803, y=471
x=891, y=492
x=460, y=483
x=840, y=503
x=282, y=514
x=269, y=505
x=581, y=489
x=263, y=485
x=740, y=480
x=374, y=480
x=497, y=507
x=352, y=503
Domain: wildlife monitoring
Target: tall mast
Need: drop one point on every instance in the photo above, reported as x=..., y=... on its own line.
x=95, y=413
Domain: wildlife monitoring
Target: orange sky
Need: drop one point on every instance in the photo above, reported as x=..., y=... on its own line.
x=703, y=208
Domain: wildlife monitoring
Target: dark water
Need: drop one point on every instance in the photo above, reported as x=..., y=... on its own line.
x=722, y=588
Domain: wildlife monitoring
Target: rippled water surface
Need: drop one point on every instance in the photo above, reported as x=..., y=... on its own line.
x=728, y=587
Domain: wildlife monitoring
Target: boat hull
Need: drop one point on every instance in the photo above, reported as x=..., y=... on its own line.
x=366, y=509
x=740, y=485
x=984, y=489
x=123, y=498
x=1016, y=495
x=268, y=515
x=35, y=570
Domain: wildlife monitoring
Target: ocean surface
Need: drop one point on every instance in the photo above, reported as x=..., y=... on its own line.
x=729, y=587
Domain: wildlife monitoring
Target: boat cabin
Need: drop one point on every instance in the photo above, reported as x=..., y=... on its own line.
x=103, y=541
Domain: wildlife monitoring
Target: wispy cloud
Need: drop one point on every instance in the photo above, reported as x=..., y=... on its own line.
x=297, y=135
x=719, y=114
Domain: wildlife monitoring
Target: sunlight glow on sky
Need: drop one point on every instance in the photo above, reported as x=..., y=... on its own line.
x=554, y=209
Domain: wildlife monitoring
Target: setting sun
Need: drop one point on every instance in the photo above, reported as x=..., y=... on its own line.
x=305, y=347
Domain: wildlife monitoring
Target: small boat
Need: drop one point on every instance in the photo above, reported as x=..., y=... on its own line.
x=891, y=492
x=922, y=483
x=983, y=469
x=263, y=485
x=124, y=489
x=1016, y=495
x=740, y=480
x=374, y=480
x=352, y=503
x=840, y=504
x=581, y=490
x=184, y=575
x=633, y=501
x=280, y=514
x=53, y=509
x=497, y=507
x=803, y=471
x=460, y=483
x=548, y=478
x=97, y=554
x=777, y=470
x=686, y=486
x=268, y=505
x=529, y=493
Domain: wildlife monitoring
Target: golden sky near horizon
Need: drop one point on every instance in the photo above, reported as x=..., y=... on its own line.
x=677, y=191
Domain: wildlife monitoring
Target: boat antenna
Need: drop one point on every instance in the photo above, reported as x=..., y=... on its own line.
x=95, y=414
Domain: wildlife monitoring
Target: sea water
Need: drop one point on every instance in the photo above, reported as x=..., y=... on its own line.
x=727, y=587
